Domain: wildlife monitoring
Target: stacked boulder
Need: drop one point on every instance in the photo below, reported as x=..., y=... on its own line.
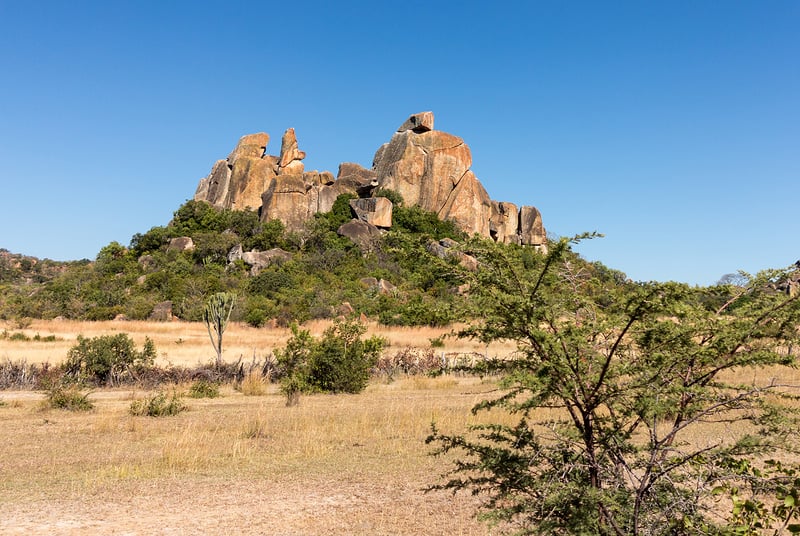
x=428, y=168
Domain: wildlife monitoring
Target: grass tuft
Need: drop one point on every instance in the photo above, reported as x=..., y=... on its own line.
x=253, y=385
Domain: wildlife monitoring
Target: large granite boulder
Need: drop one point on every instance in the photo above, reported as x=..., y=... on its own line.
x=365, y=235
x=504, y=223
x=430, y=169
x=181, y=243
x=249, y=146
x=424, y=168
x=290, y=199
x=291, y=155
x=421, y=122
x=238, y=181
x=258, y=260
x=214, y=188
x=374, y=210
x=446, y=249
x=468, y=206
x=531, y=228
x=250, y=177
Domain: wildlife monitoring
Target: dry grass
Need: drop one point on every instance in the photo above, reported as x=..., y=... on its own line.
x=253, y=384
x=345, y=464
x=187, y=343
x=237, y=464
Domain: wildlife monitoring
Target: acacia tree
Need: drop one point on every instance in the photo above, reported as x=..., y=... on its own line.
x=216, y=315
x=638, y=406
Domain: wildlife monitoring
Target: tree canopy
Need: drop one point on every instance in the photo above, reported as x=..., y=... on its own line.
x=638, y=406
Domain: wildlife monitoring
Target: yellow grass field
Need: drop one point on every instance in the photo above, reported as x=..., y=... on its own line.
x=187, y=343
x=344, y=464
x=243, y=465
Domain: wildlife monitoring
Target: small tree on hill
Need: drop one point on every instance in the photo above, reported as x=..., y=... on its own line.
x=640, y=407
x=216, y=315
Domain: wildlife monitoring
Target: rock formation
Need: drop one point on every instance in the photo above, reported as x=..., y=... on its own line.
x=428, y=168
x=374, y=210
x=364, y=234
x=239, y=181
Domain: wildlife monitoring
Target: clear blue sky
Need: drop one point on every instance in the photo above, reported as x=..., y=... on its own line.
x=671, y=127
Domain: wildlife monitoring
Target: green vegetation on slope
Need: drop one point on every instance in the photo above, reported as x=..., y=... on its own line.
x=322, y=272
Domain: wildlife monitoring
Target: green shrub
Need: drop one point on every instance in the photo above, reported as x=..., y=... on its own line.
x=157, y=405
x=339, y=362
x=68, y=398
x=204, y=389
x=107, y=358
x=256, y=317
x=417, y=220
x=270, y=235
x=392, y=195
x=46, y=338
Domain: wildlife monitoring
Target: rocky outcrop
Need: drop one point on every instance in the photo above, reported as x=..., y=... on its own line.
x=290, y=162
x=428, y=168
x=258, y=260
x=238, y=181
x=364, y=234
x=421, y=122
x=446, y=249
x=504, y=223
x=531, y=228
x=431, y=169
x=374, y=210
x=181, y=243
x=381, y=286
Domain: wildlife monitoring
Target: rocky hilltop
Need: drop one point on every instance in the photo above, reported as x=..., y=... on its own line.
x=427, y=167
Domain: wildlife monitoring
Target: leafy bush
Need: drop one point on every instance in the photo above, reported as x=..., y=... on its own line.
x=417, y=220
x=392, y=195
x=339, y=362
x=269, y=235
x=107, y=358
x=341, y=211
x=68, y=398
x=157, y=405
x=204, y=389
x=437, y=342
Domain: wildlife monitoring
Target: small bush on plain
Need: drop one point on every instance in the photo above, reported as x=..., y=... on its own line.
x=204, y=389
x=68, y=398
x=339, y=362
x=157, y=405
x=108, y=359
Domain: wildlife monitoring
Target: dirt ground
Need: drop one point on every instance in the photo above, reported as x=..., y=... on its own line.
x=353, y=504
x=106, y=472
x=361, y=470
